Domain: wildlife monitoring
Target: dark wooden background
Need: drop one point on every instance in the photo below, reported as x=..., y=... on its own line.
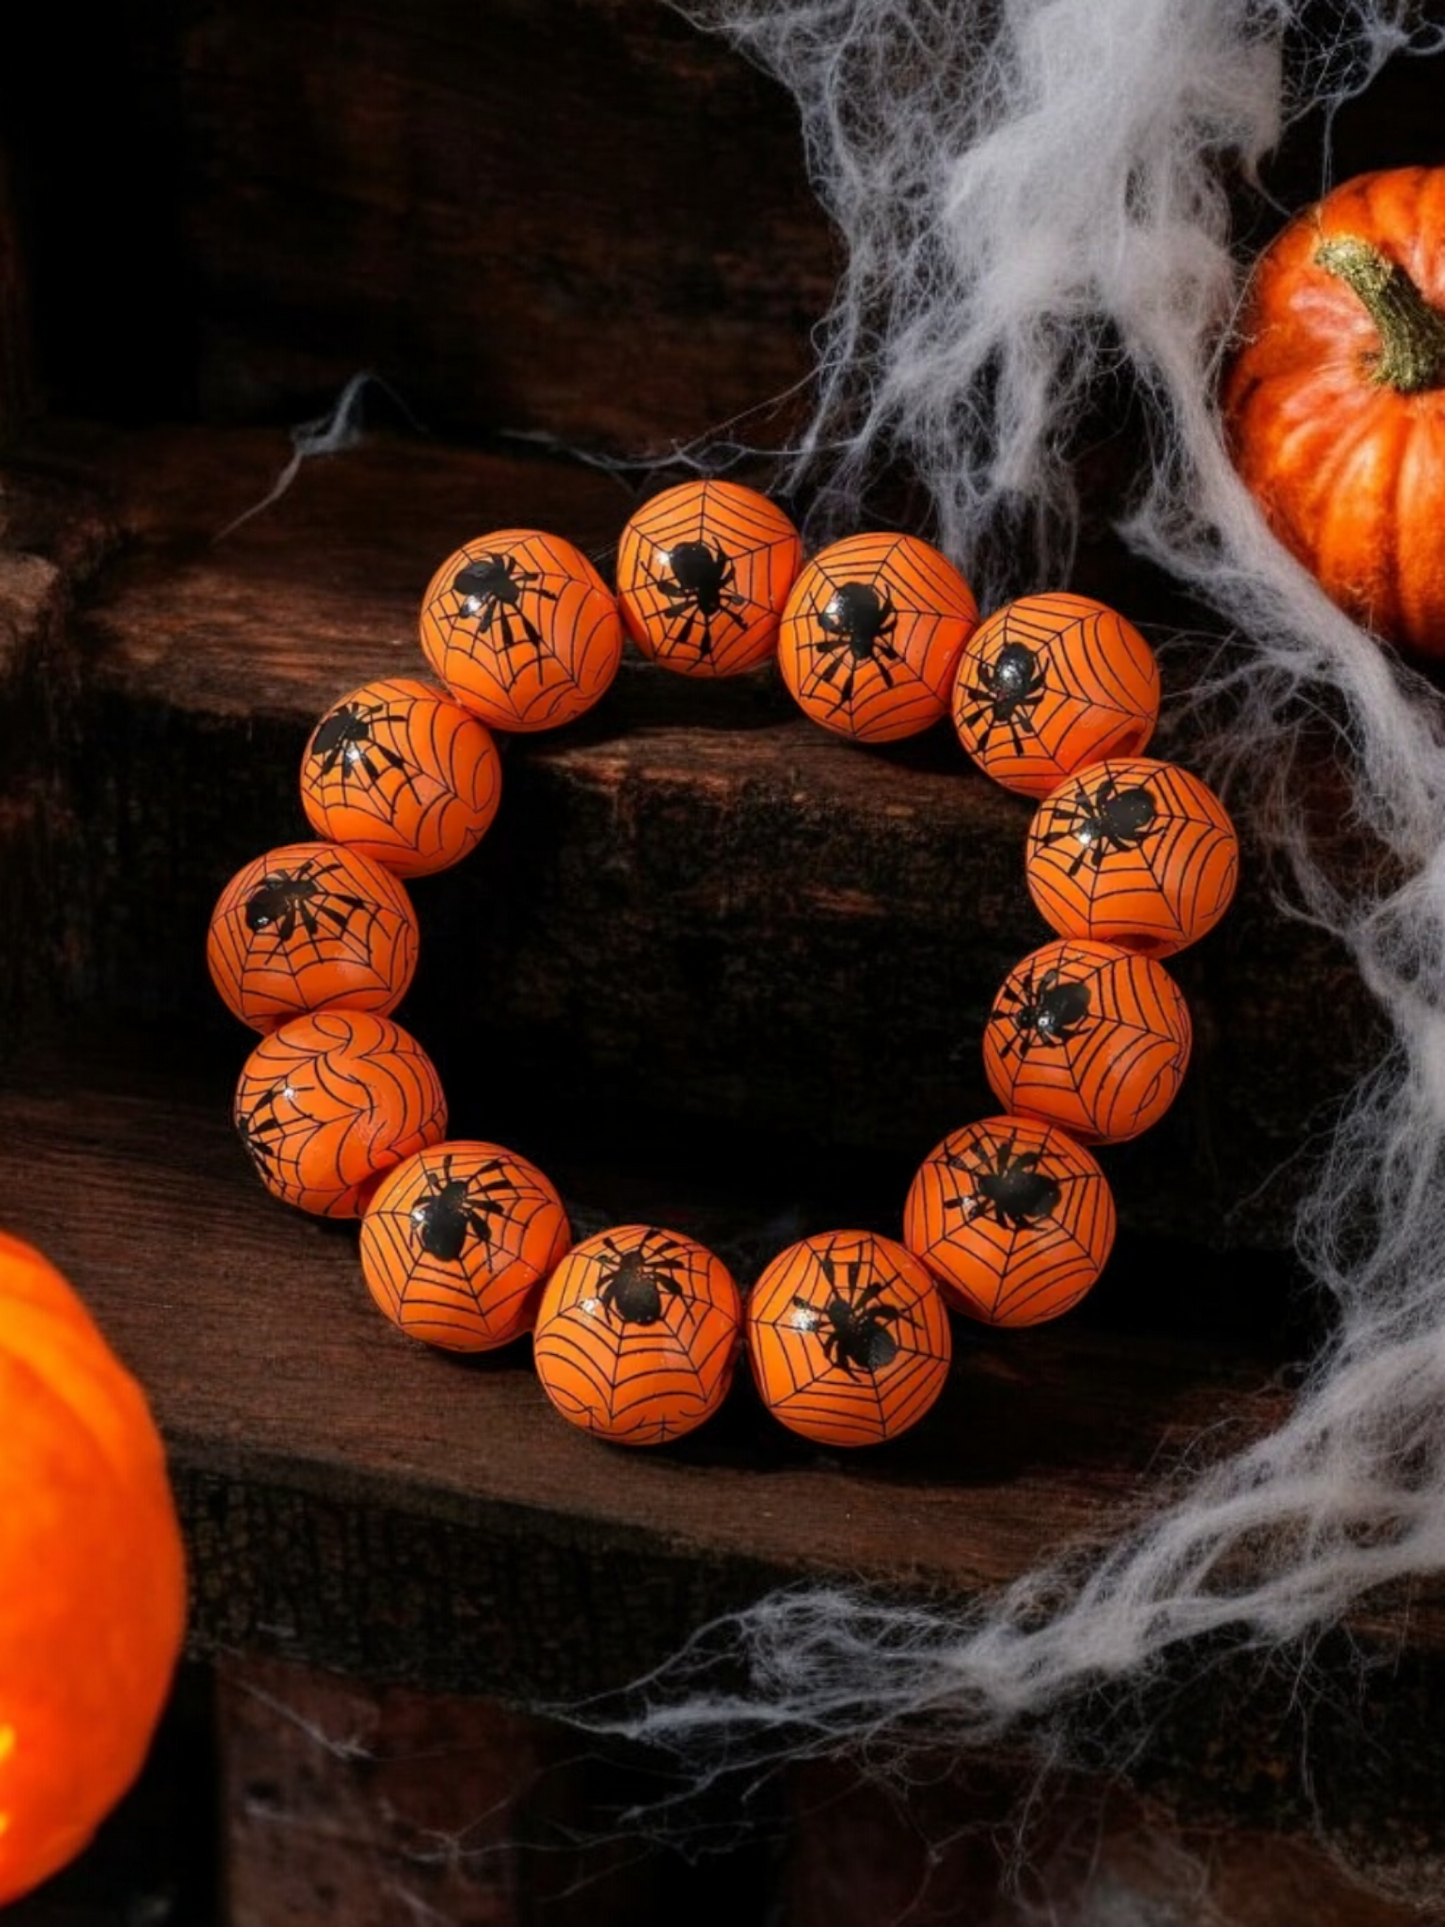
x=711, y=967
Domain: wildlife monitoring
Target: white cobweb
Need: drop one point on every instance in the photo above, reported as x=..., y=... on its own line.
x=1033, y=199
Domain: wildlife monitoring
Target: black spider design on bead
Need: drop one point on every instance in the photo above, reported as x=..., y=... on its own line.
x=1007, y=691
x=698, y=589
x=258, y=1126
x=857, y=1320
x=633, y=1282
x=1109, y=819
x=283, y=898
x=451, y=1209
x=1048, y=1009
x=857, y=622
x=346, y=739
x=1008, y=1187
x=490, y=588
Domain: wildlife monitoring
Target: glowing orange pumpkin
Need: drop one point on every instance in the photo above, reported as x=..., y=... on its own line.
x=92, y=1581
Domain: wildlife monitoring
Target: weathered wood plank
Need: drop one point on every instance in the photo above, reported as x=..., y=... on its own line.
x=984, y=1842
x=577, y=216
x=370, y=1806
x=264, y=1350
x=355, y=1501
x=695, y=903
x=348, y=1801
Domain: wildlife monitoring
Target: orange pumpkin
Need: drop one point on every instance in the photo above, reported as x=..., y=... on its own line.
x=1335, y=404
x=92, y=1579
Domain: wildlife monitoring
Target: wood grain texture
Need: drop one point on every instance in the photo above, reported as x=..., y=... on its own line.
x=694, y=902
x=986, y=1842
x=348, y=1801
x=264, y=1353
x=354, y=1501
x=577, y=216
x=372, y=1806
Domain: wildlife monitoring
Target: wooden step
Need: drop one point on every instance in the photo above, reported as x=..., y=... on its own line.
x=695, y=904
x=355, y=1501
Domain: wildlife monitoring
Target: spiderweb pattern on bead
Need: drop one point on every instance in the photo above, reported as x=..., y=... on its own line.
x=757, y=556
x=1132, y=849
x=647, y=1378
x=823, y=1288
x=1013, y=1254
x=894, y=677
x=319, y=1102
x=1111, y=1066
x=397, y=771
x=1091, y=693
x=473, y=1287
x=306, y=925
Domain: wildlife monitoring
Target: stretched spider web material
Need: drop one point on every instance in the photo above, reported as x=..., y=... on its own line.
x=1032, y=196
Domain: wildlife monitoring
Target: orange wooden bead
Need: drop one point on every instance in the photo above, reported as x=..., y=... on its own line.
x=1013, y=1218
x=1088, y=1036
x=1050, y=683
x=400, y=772
x=872, y=634
x=311, y=926
x=1139, y=853
x=637, y=1335
x=848, y=1338
x=456, y=1242
x=327, y=1104
x=522, y=629
x=703, y=571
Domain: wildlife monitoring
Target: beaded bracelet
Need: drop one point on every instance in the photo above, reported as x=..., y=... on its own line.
x=636, y=1331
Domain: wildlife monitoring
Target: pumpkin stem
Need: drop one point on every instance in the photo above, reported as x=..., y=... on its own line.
x=1412, y=333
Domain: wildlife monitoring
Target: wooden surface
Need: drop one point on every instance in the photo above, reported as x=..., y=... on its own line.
x=354, y=1501
x=370, y=1806
x=575, y=216
x=584, y=218
x=695, y=906
x=271, y=1372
